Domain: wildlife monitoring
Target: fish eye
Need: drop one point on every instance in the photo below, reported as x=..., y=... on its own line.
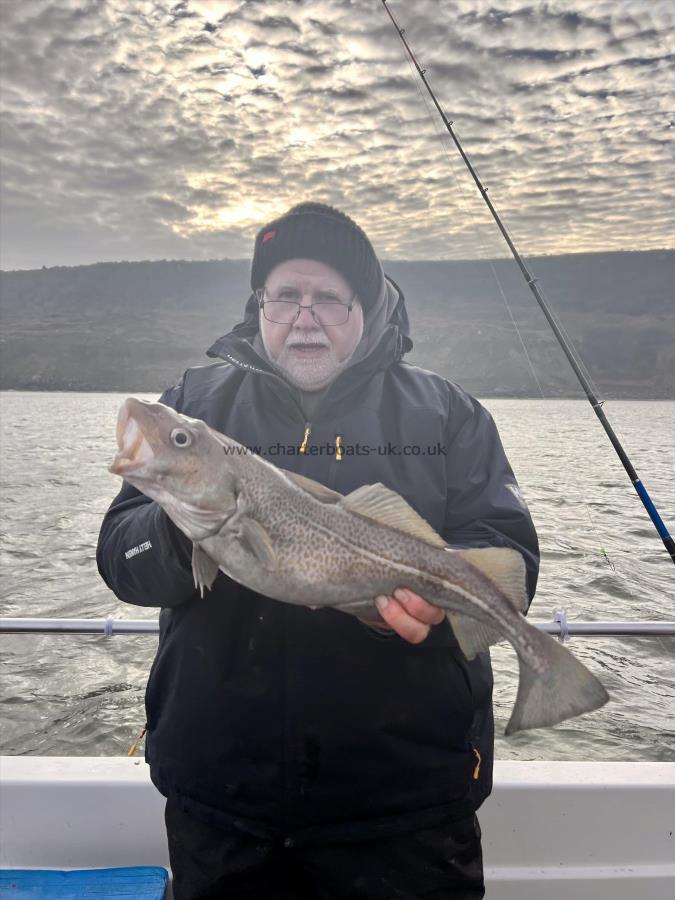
x=180, y=437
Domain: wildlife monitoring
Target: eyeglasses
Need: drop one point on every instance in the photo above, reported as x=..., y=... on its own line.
x=283, y=307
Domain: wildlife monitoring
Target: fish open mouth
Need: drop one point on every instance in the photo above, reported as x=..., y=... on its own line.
x=134, y=452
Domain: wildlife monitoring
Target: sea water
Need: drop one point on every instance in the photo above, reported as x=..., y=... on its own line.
x=72, y=695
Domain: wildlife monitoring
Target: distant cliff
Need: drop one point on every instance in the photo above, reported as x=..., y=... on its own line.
x=137, y=326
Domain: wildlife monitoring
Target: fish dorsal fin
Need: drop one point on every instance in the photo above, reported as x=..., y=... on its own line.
x=375, y=501
x=505, y=567
x=317, y=490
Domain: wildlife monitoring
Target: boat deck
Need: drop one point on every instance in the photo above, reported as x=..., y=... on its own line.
x=594, y=830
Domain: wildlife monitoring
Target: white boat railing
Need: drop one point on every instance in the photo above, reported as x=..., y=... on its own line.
x=561, y=627
x=554, y=830
x=597, y=830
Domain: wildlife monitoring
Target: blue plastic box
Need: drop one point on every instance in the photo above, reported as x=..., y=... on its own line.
x=137, y=882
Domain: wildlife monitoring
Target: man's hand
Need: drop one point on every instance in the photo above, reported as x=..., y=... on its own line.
x=408, y=614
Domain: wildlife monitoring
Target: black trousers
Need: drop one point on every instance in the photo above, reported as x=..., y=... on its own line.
x=209, y=863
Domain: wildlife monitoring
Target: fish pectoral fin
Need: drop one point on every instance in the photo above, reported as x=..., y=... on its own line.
x=259, y=542
x=375, y=501
x=503, y=566
x=204, y=569
x=317, y=490
x=472, y=636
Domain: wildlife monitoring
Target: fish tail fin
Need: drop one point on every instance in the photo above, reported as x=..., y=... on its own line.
x=565, y=688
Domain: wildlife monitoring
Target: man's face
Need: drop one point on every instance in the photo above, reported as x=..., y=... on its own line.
x=310, y=354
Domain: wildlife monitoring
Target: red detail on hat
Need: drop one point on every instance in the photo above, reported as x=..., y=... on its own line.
x=268, y=236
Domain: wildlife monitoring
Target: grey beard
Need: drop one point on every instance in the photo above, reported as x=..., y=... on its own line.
x=310, y=374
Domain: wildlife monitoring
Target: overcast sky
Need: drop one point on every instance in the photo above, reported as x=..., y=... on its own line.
x=136, y=129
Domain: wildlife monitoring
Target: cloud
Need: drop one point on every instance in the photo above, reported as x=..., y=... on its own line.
x=140, y=130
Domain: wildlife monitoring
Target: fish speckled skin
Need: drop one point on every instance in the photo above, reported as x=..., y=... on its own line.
x=295, y=541
x=330, y=556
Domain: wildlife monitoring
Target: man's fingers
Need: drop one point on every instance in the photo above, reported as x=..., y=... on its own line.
x=393, y=613
x=418, y=607
x=410, y=615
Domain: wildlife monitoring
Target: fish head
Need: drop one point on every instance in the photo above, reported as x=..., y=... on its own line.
x=179, y=462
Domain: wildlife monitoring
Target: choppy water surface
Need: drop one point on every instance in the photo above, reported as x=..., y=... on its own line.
x=83, y=695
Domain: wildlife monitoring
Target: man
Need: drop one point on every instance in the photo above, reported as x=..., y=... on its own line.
x=305, y=753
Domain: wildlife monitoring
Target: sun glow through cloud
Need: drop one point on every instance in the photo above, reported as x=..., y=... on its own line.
x=245, y=214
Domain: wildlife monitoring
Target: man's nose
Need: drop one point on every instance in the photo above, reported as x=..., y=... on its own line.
x=305, y=318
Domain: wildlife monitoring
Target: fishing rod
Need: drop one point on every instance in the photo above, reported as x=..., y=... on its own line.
x=109, y=626
x=596, y=404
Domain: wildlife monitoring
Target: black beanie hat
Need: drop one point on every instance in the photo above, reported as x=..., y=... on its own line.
x=321, y=232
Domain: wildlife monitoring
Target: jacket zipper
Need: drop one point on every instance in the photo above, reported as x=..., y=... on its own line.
x=132, y=749
x=479, y=760
x=287, y=751
x=306, y=436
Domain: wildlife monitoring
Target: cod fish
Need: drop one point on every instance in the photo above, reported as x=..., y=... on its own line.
x=292, y=539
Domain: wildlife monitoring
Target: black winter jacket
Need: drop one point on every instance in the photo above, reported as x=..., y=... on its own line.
x=308, y=725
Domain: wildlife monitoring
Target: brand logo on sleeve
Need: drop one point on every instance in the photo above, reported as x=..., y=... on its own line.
x=139, y=548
